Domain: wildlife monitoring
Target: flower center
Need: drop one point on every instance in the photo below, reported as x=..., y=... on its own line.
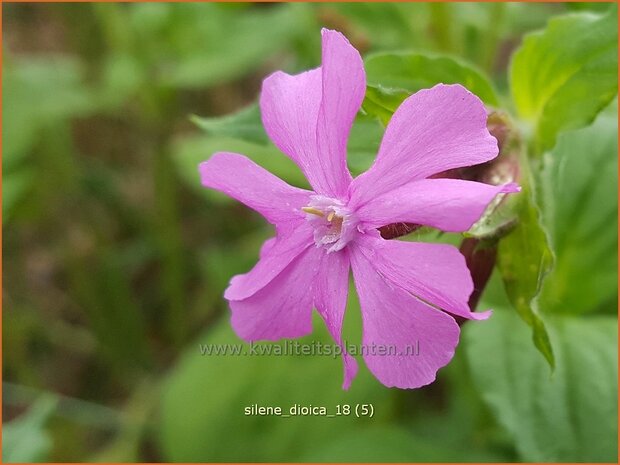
x=334, y=224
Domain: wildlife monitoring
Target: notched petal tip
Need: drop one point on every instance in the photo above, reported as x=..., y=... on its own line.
x=510, y=188
x=350, y=372
x=453, y=86
x=229, y=292
x=202, y=169
x=335, y=42
x=479, y=316
x=207, y=167
x=332, y=32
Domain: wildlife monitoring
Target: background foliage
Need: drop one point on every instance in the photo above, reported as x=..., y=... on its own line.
x=115, y=259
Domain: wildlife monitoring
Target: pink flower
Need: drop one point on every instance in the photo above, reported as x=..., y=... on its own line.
x=408, y=291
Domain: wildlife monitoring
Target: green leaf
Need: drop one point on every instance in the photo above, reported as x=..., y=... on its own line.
x=121, y=78
x=524, y=259
x=394, y=76
x=15, y=185
x=380, y=444
x=563, y=76
x=205, y=397
x=579, y=186
x=25, y=439
x=385, y=25
x=38, y=92
x=381, y=102
x=209, y=44
x=568, y=417
x=363, y=143
x=245, y=124
x=387, y=444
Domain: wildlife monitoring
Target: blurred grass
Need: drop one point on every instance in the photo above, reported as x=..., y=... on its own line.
x=114, y=259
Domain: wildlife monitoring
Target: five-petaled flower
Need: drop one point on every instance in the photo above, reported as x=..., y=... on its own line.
x=408, y=291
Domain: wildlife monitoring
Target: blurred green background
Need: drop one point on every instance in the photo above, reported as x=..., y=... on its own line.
x=115, y=259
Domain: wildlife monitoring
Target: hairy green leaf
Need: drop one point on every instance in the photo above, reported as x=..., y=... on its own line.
x=570, y=416
x=563, y=76
x=578, y=186
x=394, y=76
x=524, y=259
x=245, y=124
x=25, y=439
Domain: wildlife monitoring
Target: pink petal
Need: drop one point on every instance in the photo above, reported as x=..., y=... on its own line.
x=397, y=323
x=331, y=291
x=267, y=246
x=344, y=88
x=432, y=131
x=242, y=179
x=282, y=308
x=309, y=115
x=290, y=109
x=451, y=205
x=434, y=273
x=275, y=256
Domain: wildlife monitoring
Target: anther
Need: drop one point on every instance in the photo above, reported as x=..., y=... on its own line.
x=313, y=211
